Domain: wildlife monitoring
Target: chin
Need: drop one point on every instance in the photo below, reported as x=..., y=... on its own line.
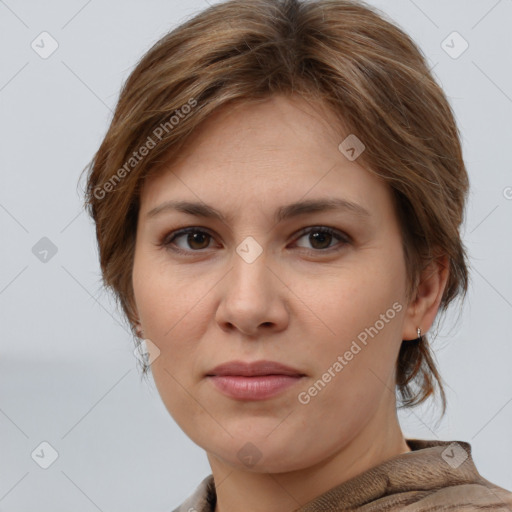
x=260, y=459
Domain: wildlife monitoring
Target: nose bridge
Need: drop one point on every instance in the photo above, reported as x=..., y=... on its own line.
x=250, y=272
x=250, y=295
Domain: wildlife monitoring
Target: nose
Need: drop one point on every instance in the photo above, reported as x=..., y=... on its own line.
x=253, y=298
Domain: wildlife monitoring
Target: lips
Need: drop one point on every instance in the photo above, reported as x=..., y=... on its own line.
x=260, y=380
x=253, y=369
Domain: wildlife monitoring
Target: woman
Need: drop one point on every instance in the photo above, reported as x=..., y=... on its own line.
x=277, y=204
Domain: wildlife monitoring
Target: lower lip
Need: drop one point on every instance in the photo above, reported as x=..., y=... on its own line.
x=253, y=388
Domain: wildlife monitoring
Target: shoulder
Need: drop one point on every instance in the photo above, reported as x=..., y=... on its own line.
x=459, y=485
x=202, y=499
x=467, y=497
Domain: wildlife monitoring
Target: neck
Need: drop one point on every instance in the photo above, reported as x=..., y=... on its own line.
x=238, y=489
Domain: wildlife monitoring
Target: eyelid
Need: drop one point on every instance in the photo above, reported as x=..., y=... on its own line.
x=168, y=238
x=342, y=237
x=326, y=229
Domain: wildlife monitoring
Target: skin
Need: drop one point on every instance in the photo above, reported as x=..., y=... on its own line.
x=301, y=302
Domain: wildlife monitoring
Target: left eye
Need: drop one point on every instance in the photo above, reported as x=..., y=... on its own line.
x=321, y=237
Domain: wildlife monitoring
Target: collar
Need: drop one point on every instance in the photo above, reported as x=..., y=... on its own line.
x=430, y=466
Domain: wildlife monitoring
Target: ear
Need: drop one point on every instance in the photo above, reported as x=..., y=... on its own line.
x=422, y=309
x=133, y=316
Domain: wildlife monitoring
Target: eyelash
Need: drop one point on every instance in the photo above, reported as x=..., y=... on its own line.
x=168, y=239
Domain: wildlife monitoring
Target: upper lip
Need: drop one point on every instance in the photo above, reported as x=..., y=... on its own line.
x=254, y=368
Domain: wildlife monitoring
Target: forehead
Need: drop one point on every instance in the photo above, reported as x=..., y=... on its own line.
x=275, y=123
x=251, y=153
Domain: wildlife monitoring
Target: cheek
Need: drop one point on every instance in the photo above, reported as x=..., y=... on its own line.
x=172, y=315
x=345, y=303
x=358, y=316
x=166, y=299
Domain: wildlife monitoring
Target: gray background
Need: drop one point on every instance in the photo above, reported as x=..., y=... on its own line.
x=67, y=372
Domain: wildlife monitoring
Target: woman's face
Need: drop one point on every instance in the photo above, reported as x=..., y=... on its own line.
x=269, y=283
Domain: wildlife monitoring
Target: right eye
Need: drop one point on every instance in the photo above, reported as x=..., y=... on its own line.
x=190, y=239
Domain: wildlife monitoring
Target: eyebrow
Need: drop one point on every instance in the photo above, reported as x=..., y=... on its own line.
x=289, y=211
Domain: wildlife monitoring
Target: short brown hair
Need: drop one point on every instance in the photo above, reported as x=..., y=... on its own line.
x=340, y=52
